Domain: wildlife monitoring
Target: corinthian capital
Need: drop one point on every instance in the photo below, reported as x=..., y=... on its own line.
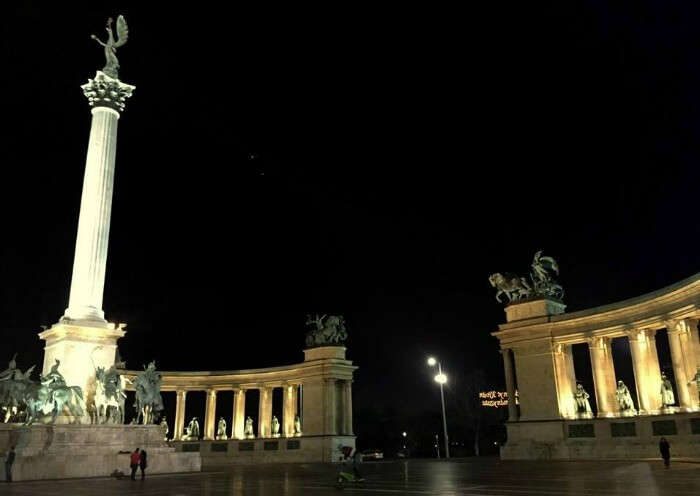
x=105, y=91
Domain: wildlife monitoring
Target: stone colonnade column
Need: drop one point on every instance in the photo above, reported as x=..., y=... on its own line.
x=265, y=412
x=239, y=415
x=694, y=340
x=347, y=407
x=330, y=422
x=510, y=384
x=565, y=380
x=107, y=96
x=603, y=376
x=680, y=340
x=210, y=415
x=289, y=409
x=647, y=375
x=179, y=426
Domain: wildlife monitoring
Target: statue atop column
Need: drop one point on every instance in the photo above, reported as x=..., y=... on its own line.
x=326, y=330
x=275, y=427
x=667, y=397
x=111, y=67
x=583, y=406
x=624, y=400
x=221, y=429
x=542, y=282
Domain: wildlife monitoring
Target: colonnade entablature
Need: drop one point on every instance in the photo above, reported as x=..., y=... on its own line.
x=536, y=346
x=317, y=394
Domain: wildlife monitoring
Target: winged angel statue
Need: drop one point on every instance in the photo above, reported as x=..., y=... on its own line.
x=111, y=67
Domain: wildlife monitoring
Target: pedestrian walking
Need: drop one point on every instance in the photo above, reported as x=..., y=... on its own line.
x=143, y=463
x=665, y=450
x=135, y=460
x=9, y=460
x=356, y=462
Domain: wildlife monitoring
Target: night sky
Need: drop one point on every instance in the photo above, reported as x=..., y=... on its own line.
x=373, y=162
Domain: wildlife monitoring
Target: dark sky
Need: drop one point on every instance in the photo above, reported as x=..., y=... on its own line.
x=374, y=162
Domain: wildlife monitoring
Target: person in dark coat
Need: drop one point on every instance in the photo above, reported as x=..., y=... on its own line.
x=135, y=460
x=9, y=460
x=665, y=450
x=143, y=463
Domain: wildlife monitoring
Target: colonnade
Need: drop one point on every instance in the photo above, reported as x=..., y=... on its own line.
x=684, y=344
x=236, y=425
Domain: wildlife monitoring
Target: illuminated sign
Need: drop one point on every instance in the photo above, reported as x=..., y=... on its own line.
x=496, y=399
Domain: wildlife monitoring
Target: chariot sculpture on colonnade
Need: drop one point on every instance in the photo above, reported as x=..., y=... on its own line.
x=542, y=283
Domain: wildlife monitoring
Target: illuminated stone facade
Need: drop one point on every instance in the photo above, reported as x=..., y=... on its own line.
x=318, y=390
x=536, y=346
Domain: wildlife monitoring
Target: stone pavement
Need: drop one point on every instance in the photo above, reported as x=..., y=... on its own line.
x=469, y=477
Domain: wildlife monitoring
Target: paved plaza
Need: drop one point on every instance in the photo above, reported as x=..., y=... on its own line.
x=469, y=477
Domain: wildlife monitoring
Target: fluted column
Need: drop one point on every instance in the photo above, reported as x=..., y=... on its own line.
x=210, y=415
x=565, y=380
x=347, y=408
x=265, y=412
x=179, y=427
x=603, y=376
x=510, y=384
x=694, y=340
x=647, y=375
x=331, y=423
x=289, y=409
x=239, y=414
x=87, y=283
x=684, y=365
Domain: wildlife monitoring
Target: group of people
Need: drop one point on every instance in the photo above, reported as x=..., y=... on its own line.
x=139, y=459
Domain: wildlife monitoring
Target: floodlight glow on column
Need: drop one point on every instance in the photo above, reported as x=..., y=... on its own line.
x=441, y=379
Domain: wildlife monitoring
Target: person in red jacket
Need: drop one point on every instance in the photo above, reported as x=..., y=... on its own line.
x=135, y=459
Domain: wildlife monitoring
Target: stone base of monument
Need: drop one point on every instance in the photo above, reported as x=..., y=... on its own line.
x=68, y=451
x=304, y=449
x=622, y=437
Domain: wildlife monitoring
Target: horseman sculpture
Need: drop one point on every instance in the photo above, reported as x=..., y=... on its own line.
x=327, y=330
x=543, y=284
x=149, y=402
x=51, y=395
x=109, y=395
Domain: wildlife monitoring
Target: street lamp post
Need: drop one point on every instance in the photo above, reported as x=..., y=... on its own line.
x=441, y=379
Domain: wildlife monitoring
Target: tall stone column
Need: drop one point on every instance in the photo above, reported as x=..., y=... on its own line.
x=179, y=427
x=680, y=342
x=83, y=336
x=239, y=414
x=347, y=407
x=647, y=375
x=265, y=413
x=289, y=409
x=331, y=420
x=565, y=380
x=603, y=376
x=510, y=384
x=210, y=415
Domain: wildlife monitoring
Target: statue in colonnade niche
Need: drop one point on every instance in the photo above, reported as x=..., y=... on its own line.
x=696, y=380
x=624, y=400
x=221, y=429
x=165, y=427
x=275, y=427
x=248, y=431
x=583, y=406
x=297, y=426
x=192, y=430
x=667, y=397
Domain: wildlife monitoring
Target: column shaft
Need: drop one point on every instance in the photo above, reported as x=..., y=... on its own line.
x=289, y=410
x=347, y=408
x=179, y=427
x=210, y=415
x=239, y=415
x=265, y=413
x=603, y=376
x=647, y=375
x=330, y=424
x=510, y=384
x=87, y=283
x=565, y=380
x=694, y=341
x=677, y=337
